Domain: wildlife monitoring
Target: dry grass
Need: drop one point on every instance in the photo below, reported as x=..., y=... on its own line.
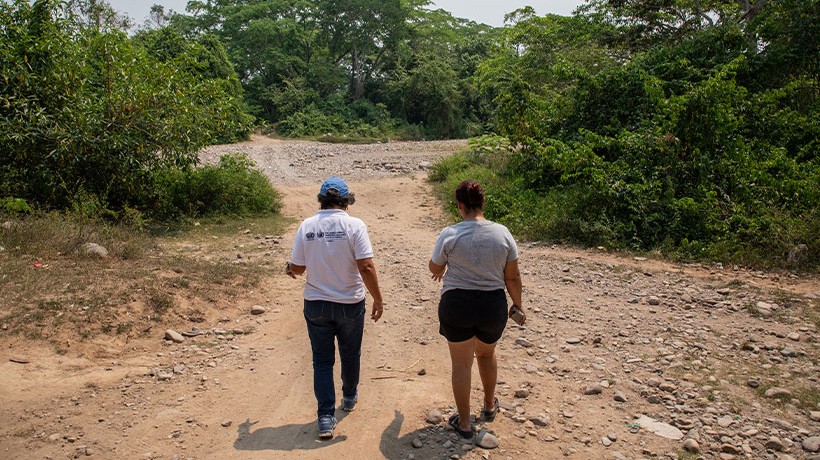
x=52, y=291
x=803, y=397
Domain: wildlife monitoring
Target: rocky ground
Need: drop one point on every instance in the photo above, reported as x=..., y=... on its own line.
x=622, y=357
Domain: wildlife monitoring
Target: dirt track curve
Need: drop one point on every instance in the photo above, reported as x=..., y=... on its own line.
x=610, y=338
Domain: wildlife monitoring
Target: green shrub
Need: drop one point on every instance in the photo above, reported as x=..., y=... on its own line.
x=86, y=115
x=692, y=207
x=311, y=122
x=333, y=121
x=232, y=187
x=14, y=205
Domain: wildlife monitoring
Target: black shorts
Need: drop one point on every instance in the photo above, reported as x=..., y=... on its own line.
x=464, y=314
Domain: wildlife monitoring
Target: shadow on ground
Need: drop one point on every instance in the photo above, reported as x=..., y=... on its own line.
x=287, y=437
x=433, y=439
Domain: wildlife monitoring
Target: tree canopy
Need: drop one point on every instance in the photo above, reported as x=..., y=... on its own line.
x=685, y=126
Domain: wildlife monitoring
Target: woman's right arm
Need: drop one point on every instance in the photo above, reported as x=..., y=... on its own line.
x=437, y=270
x=438, y=253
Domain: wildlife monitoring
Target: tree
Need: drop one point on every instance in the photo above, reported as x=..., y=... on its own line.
x=641, y=24
x=158, y=17
x=538, y=62
x=274, y=47
x=98, y=15
x=363, y=31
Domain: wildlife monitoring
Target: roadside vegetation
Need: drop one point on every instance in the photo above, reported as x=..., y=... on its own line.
x=620, y=128
x=686, y=129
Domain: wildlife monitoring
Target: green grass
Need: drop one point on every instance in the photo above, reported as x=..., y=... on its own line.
x=809, y=398
x=811, y=313
x=803, y=397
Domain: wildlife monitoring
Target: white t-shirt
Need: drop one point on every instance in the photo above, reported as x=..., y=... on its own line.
x=475, y=253
x=329, y=244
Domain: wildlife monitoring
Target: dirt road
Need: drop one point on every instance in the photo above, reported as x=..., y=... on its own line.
x=723, y=360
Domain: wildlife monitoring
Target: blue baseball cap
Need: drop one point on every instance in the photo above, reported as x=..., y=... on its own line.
x=336, y=183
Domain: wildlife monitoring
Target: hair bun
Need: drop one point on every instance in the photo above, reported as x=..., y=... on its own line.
x=471, y=194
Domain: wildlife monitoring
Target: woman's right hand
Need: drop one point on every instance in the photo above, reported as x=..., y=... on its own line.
x=437, y=270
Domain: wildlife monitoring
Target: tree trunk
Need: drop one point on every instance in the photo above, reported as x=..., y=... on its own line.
x=356, y=77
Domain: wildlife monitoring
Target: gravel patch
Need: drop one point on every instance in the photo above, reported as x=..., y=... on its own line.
x=294, y=163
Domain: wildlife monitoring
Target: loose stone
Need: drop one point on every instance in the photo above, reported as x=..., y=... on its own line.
x=774, y=443
x=522, y=393
x=486, y=440
x=691, y=446
x=811, y=444
x=661, y=429
x=174, y=336
x=594, y=389
x=540, y=420
x=434, y=416
x=778, y=393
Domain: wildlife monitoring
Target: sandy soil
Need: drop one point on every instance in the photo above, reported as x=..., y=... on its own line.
x=610, y=338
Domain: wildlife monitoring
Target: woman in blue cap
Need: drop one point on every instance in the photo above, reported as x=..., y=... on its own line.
x=335, y=251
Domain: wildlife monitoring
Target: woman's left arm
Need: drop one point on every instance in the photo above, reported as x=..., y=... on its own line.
x=512, y=280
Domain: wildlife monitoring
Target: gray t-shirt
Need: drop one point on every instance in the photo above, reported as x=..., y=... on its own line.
x=475, y=253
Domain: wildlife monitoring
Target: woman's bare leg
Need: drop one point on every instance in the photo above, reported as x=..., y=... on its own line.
x=461, y=355
x=488, y=370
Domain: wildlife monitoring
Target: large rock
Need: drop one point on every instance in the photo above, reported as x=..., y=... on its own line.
x=661, y=429
x=94, y=249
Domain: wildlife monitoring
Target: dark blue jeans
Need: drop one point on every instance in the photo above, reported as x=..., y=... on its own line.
x=328, y=322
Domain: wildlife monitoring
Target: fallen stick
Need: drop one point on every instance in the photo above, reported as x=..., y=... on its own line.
x=381, y=368
x=412, y=365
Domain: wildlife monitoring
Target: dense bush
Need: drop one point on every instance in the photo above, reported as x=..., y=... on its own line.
x=360, y=120
x=231, y=187
x=86, y=116
x=685, y=148
x=204, y=60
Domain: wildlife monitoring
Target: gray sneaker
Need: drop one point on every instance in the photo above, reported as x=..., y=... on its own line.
x=327, y=423
x=349, y=404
